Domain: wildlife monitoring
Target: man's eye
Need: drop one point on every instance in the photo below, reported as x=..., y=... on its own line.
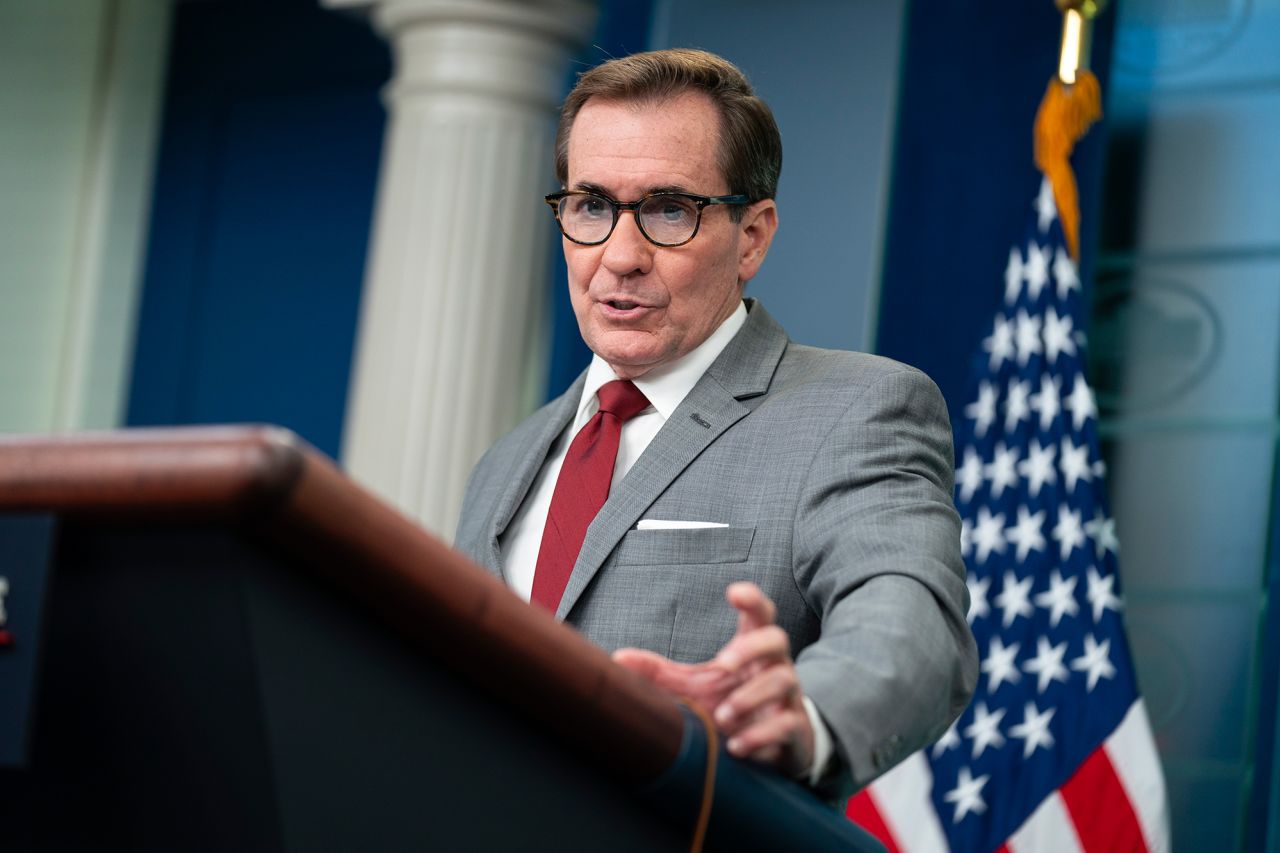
x=674, y=211
x=590, y=206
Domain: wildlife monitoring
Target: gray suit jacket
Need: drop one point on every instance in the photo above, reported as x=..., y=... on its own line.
x=834, y=473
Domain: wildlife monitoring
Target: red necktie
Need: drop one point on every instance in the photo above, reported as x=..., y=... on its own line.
x=582, y=488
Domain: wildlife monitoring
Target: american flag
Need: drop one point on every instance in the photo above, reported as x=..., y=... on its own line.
x=1055, y=752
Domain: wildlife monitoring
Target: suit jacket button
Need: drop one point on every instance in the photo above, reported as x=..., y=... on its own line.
x=887, y=752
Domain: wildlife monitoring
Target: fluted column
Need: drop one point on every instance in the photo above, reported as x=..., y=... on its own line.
x=456, y=282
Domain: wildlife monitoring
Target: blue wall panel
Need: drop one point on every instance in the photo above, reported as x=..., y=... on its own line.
x=829, y=70
x=264, y=193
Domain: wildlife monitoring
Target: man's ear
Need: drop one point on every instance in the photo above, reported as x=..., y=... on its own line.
x=759, y=224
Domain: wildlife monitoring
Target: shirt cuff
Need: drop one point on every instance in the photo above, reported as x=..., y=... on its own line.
x=822, y=743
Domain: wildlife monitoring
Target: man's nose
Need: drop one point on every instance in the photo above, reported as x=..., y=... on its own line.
x=627, y=251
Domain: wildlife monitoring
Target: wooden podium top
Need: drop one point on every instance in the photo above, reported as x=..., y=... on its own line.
x=286, y=495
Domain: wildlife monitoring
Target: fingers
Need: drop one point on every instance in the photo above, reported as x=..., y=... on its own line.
x=782, y=739
x=765, y=717
x=762, y=646
x=775, y=688
x=755, y=609
x=751, y=685
x=766, y=721
x=660, y=670
x=768, y=755
x=705, y=683
x=645, y=663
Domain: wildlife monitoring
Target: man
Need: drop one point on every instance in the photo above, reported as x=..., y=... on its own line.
x=704, y=457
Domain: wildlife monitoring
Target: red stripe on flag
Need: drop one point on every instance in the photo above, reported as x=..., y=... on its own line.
x=1003, y=848
x=862, y=811
x=1099, y=807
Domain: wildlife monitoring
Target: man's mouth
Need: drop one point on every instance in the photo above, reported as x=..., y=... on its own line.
x=624, y=310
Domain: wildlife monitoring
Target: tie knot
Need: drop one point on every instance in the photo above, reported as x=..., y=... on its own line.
x=621, y=399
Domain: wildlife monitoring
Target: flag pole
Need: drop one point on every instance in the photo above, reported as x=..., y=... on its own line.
x=1077, y=36
x=1072, y=102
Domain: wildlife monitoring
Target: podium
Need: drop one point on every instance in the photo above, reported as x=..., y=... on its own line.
x=216, y=641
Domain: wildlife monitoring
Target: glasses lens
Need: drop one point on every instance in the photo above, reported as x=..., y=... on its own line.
x=669, y=219
x=586, y=217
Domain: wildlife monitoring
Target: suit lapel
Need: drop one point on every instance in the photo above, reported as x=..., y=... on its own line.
x=558, y=415
x=741, y=371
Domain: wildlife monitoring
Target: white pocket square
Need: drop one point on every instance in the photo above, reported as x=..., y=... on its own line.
x=659, y=524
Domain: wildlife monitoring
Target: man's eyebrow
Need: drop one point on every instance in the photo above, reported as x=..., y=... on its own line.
x=587, y=186
x=671, y=188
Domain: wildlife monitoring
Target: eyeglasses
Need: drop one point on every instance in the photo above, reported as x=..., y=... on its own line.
x=665, y=219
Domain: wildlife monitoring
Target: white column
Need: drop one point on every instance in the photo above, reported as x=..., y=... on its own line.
x=457, y=274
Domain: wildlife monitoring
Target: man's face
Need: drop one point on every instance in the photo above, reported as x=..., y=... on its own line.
x=639, y=305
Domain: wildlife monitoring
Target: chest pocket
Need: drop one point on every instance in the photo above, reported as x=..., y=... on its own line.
x=691, y=546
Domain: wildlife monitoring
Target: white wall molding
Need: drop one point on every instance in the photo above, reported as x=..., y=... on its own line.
x=82, y=104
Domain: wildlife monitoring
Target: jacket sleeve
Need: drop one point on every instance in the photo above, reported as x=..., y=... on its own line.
x=877, y=557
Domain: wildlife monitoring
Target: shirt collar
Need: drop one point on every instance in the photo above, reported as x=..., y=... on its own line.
x=667, y=385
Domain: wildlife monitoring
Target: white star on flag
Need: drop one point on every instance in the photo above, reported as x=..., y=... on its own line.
x=1036, y=270
x=1059, y=599
x=1046, y=210
x=1067, y=532
x=1013, y=276
x=1015, y=598
x=969, y=474
x=967, y=794
x=1000, y=344
x=985, y=729
x=1074, y=463
x=1081, y=403
x=1047, y=665
x=1047, y=403
x=1064, y=272
x=1038, y=467
x=1027, y=337
x=978, y=607
x=1100, y=594
x=1057, y=336
x=1034, y=729
x=988, y=536
x=999, y=664
x=1026, y=534
x=1016, y=407
x=1102, y=531
x=1095, y=662
x=949, y=740
x=1003, y=470
x=982, y=410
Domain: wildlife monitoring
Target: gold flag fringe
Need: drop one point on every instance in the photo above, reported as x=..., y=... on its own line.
x=1064, y=115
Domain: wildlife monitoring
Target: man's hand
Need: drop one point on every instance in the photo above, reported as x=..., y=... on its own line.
x=750, y=687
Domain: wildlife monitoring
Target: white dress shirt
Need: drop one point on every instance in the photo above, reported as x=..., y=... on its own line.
x=665, y=386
